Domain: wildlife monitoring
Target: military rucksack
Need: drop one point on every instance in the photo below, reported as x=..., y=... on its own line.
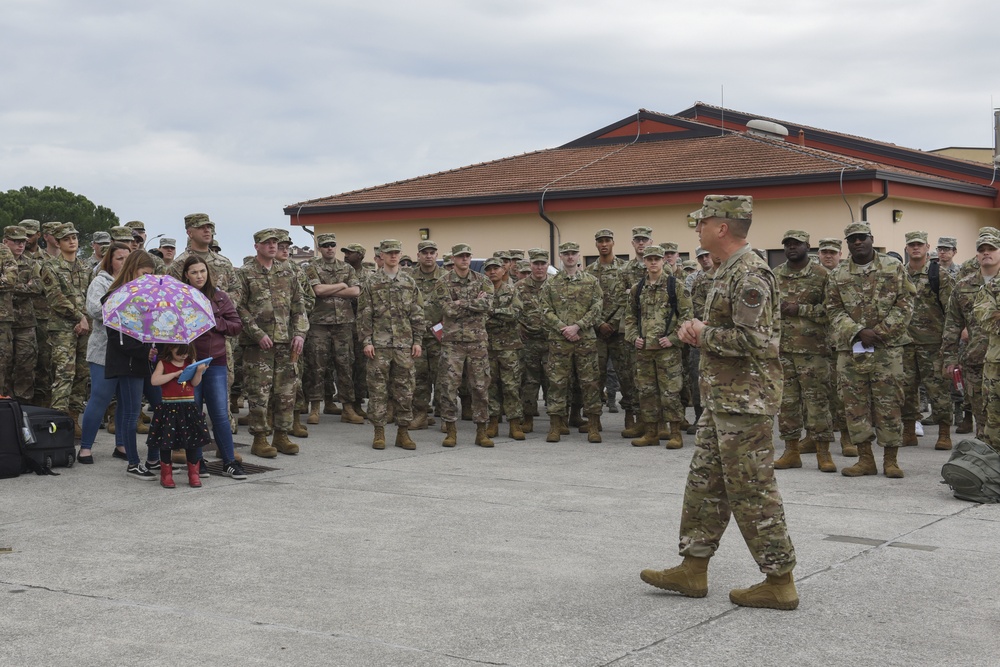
x=973, y=472
x=934, y=278
x=671, y=295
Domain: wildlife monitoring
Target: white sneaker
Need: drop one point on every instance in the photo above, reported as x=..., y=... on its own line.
x=919, y=428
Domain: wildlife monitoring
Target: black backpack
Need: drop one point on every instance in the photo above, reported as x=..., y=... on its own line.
x=973, y=472
x=671, y=294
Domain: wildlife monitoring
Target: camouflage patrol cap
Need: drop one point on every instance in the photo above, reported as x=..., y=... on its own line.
x=604, y=234
x=653, y=251
x=214, y=246
x=689, y=265
x=988, y=239
x=446, y=260
x=642, y=233
x=947, y=242
x=796, y=235
x=857, y=228
x=326, y=238
x=102, y=238
x=516, y=254
x=916, y=237
x=390, y=245
x=568, y=246
x=266, y=235
x=699, y=251
x=831, y=244
x=167, y=242
x=283, y=236
x=668, y=246
x=30, y=225
x=989, y=231
x=15, y=233
x=49, y=228
x=523, y=266
x=461, y=249
x=732, y=207
x=119, y=233
x=354, y=247
x=538, y=255
x=503, y=254
x=196, y=220
x=425, y=245
x=493, y=261
x=406, y=258
x=369, y=265
x=136, y=225
x=64, y=230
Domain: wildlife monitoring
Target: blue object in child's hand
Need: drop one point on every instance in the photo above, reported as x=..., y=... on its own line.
x=188, y=372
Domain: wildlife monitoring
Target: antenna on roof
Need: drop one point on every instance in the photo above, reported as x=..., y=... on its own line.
x=722, y=104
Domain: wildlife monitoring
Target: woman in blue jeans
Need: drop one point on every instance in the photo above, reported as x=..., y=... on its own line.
x=214, y=387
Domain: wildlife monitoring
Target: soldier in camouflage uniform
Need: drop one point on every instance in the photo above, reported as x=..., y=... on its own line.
x=986, y=313
x=631, y=273
x=504, y=346
x=869, y=301
x=330, y=345
x=610, y=336
x=427, y=273
x=698, y=290
x=390, y=324
x=65, y=281
x=43, y=365
x=653, y=316
x=25, y=344
x=535, y=353
x=971, y=357
x=947, y=246
x=731, y=470
x=270, y=302
x=805, y=355
x=354, y=254
x=922, y=355
x=8, y=284
x=571, y=303
x=138, y=228
x=674, y=267
x=99, y=244
x=464, y=299
x=309, y=301
x=829, y=258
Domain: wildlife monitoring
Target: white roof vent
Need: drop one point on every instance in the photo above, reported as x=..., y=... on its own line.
x=766, y=128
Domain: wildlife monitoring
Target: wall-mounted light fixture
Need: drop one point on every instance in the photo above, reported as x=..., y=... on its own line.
x=425, y=234
x=897, y=215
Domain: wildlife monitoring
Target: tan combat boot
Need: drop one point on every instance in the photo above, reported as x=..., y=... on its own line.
x=451, y=435
x=865, y=464
x=378, y=440
x=313, y=417
x=633, y=429
x=944, y=437
x=349, y=416
x=493, y=428
x=890, y=468
x=676, y=440
x=528, y=425
x=514, y=431
x=331, y=408
x=807, y=445
x=777, y=591
x=109, y=418
x=482, y=436
x=649, y=436
x=419, y=422
x=847, y=448
x=298, y=430
x=594, y=428
x=555, y=429
x=663, y=431
x=690, y=578
x=563, y=426
x=965, y=426
x=141, y=428
x=790, y=457
x=823, y=459
x=262, y=448
x=403, y=439
x=909, y=433
x=77, y=431
x=143, y=417
x=281, y=442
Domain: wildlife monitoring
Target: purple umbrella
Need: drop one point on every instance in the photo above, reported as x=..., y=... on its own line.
x=159, y=309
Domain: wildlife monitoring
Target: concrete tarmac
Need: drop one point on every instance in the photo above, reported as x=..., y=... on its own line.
x=525, y=554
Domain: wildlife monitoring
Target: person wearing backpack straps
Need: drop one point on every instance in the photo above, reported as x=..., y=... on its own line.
x=986, y=311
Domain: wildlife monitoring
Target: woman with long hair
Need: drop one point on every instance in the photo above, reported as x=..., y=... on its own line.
x=214, y=386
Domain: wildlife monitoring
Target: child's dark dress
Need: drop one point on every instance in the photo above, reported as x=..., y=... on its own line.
x=177, y=421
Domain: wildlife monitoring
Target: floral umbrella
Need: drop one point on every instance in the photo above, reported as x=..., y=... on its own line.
x=159, y=309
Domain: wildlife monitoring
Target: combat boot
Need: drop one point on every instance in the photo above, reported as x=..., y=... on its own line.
x=493, y=429
x=663, y=431
x=575, y=418
x=890, y=468
x=298, y=430
x=403, y=439
x=555, y=429
x=359, y=410
x=633, y=428
x=528, y=424
x=451, y=435
x=281, y=442
x=143, y=417
x=649, y=436
x=790, y=457
x=944, y=437
x=349, y=416
x=141, y=428
x=262, y=448
x=585, y=425
x=594, y=428
x=78, y=432
x=777, y=591
x=865, y=464
x=331, y=408
x=909, y=433
x=823, y=459
x=847, y=448
x=965, y=426
x=676, y=440
x=419, y=422
x=690, y=578
x=378, y=440
x=563, y=426
x=109, y=416
x=313, y=417
x=482, y=436
x=807, y=445
x=514, y=431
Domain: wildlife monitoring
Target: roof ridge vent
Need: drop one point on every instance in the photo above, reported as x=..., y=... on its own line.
x=767, y=129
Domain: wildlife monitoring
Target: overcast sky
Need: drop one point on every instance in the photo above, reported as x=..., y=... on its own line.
x=237, y=109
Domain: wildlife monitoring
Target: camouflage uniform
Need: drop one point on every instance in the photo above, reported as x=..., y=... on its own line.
x=43, y=367
x=700, y=285
x=330, y=344
x=360, y=368
x=29, y=286
x=535, y=353
x=922, y=355
x=309, y=302
x=8, y=283
x=615, y=346
x=426, y=366
x=391, y=319
x=805, y=355
x=504, y=346
x=986, y=312
x=972, y=356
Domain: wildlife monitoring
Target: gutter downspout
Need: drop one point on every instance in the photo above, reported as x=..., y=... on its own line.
x=552, y=225
x=885, y=195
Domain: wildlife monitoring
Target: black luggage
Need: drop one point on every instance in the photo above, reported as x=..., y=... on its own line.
x=48, y=437
x=11, y=438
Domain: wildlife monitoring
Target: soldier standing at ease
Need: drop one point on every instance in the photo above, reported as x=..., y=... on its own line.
x=270, y=302
x=505, y=346
x=571, y=307
x=535, y=353
x=464, y=299
x=138, y=228
x=986, y=311
x=656, y=307
x=946, y=248
x=354, y=254
x=805, y=355
x=731, y=470
x=390, y=323
x=8, y=284
x=25, y=344
x=631, y=273
x=309, y=302
x=829, y=258
x=426, y=274
x=869, y=301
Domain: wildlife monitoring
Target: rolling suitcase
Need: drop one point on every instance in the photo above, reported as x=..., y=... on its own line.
x=11, y=438
x=48, y=437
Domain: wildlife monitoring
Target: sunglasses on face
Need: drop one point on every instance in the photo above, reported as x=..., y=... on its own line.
x=327, y=245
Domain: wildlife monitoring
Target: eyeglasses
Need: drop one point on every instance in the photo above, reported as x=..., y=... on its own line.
x=327, y=245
